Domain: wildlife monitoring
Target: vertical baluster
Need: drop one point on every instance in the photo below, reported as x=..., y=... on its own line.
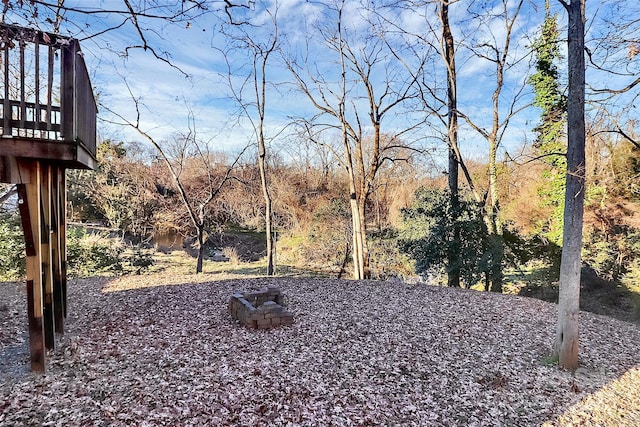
x=67, y=92
x=6, y=108
x=23, y=106
x=50, y=90
x=37, y=119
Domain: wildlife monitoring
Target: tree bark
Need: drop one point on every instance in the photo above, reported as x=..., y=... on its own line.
x=566, y=345
x=453, y=253
x=200, y=231
x=261, y=100
x=494, y=225
x=357, y=252
x=365, y=267
x=268, y=209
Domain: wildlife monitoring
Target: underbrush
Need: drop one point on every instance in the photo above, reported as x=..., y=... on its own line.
x=98, y=253
x=631, y=282
x=597, y=295
x=91, y=254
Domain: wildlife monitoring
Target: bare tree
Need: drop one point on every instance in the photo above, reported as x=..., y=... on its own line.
x=497, y=51
x=251, y=95
x=483, y=43
x=196, y=207
x=566, y=343
x=613, y=56
x=360, y=61
x=449, y=56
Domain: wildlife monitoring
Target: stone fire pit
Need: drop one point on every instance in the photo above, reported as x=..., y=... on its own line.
x=261, y=309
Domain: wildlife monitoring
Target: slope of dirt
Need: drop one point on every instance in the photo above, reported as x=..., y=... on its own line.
x=161, y=350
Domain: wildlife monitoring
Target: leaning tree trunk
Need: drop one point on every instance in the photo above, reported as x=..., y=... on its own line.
x=567, y=333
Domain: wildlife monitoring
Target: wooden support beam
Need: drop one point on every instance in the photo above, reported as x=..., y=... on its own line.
x=36, y=329
x=46, y=250
x=23, y=207
x=30, y=212
x=58, y=248
x=63, y=237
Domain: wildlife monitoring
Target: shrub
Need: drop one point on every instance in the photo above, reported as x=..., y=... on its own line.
x=427, y=230
x=612, y=252
x=231, y=254
x=12, y=252
x=386, y=259
x=140, y=260
x=328, y=240
x=89, y=254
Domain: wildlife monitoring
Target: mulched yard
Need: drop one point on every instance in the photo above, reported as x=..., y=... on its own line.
x=163, y=350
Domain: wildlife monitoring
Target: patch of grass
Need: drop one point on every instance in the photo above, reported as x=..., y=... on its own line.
x=551, y=360
x=536, y=280
x=631, y=282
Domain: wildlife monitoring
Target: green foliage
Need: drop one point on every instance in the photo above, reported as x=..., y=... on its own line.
x=387, y=261
x=549, y=97
x=428, y=227
x=90, y=254
x=551, y=191
x=119, y=192
x=551, y=360
x=12, y=252
x=611, y=252
x=140, y=259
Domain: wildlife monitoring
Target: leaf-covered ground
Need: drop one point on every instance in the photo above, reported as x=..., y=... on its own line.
x=153, y=350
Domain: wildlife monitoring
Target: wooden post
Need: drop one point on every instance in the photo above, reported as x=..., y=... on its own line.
x=67, y=87
x=58, y=249
x=30, y=212
x=46, y=195
x=63, y=238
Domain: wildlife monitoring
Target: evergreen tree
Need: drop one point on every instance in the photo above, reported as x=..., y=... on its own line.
x=428, y=227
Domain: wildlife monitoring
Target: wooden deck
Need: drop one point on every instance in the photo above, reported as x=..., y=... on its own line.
x=47, y=108
x=48, y=119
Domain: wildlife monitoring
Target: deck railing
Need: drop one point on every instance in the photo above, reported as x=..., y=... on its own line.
x=45, y=90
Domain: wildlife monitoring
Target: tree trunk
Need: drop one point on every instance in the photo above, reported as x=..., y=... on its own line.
x=494, y=226
x=200, y=230
x=567, y=331
x=358, y=255
x=453, y=252
x=366, y=268
x=268, y=208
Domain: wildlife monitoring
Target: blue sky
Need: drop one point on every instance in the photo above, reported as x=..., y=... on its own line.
x=193, y=48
